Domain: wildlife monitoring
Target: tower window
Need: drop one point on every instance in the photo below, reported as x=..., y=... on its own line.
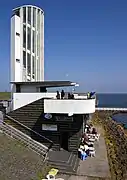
x=24, y=36
x=17, y=12
x=24, y=15
x=33, y=64
x=28, y=64
x=24, y=59
x=29, y=38
x=34, y=17
x=29, y=15
x=33, y=39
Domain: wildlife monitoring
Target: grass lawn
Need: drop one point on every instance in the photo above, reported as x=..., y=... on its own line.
x=5, y=95
x=17, y=162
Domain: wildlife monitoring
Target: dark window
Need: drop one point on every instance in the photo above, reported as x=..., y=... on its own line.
x=18, y=89
x=34, y=17
x=24, y=59
x=17, y=34
x=28, y=64
x=37, y=44
x=17, y=12
x=29, y=15
x=38, y=18
x=33, y=64
x=42, y=89
x=24, y=15
x=33, y=39
x=17, y=60
x=24, y=36
x=28, y=38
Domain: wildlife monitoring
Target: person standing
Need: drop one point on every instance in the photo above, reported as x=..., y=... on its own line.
x=62, y=94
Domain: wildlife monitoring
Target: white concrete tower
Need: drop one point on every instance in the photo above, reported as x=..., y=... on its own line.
x=27, y=44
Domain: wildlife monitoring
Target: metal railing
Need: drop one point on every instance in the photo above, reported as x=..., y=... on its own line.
x=29, y=129
x=25, y=139
x=37, y=147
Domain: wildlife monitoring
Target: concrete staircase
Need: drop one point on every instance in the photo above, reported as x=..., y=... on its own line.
x=26, y=140
x=65, y=161
x=27, y=120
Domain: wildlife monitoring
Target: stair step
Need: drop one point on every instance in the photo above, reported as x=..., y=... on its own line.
x=66, y=163
x=76, y=164
x=62, y=169
x=63, y=163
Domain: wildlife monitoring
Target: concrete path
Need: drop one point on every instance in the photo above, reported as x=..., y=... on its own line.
x=72, y=177
x=97, y=166
x=93, y=168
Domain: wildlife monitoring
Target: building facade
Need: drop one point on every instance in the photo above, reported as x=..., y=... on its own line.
x=27, y=44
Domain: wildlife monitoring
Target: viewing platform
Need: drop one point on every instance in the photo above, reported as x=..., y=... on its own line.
x=77, y=105
x=69, y=106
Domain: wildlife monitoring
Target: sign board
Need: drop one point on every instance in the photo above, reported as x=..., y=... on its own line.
x=49, y=127
x=48, y=116
x=64, y=118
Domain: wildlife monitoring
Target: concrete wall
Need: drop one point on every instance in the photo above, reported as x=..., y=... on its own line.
x=15, y=49
x=69, y=106
x=22, y=99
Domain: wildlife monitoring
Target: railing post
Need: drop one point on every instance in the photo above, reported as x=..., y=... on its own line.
x=29, y=142
x=11, y=132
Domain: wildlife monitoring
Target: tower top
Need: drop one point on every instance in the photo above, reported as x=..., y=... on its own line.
x=31, y=6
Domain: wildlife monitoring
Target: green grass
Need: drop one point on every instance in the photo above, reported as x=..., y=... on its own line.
x=19, y=161
x=5, y=95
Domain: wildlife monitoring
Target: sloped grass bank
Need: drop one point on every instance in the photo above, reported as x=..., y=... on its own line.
x=19, y=162
x=5, y=95
x=116, y=141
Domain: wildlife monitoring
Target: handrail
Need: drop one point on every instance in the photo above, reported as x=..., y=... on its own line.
x=23, y=134
x=32, y=144
x=9, y=117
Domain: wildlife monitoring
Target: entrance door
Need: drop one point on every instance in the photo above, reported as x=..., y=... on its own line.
x=64, y=140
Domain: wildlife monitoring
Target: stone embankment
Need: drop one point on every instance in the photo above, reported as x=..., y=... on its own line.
x=116, y=141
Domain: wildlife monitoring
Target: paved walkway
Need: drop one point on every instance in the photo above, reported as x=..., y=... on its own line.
x=72, y=177
x=96, y=166
x=93, y=168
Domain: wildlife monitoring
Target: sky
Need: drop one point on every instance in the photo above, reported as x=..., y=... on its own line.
x=85, y=42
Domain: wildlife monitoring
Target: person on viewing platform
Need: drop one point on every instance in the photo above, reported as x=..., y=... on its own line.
x=62, y=94
x=92, y=94
x=72, y=96
x=88, y=95
x=69, y=96
x=57, y=95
